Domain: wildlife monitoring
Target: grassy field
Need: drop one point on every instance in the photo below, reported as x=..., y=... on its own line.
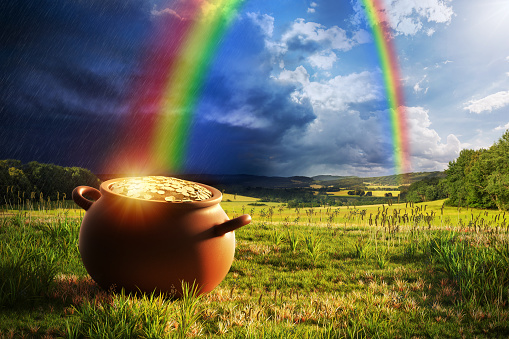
x=399, y=271
x=431, y=214
x=238, y=198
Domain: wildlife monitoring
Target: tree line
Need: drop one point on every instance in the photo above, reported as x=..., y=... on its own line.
x=36, y=181
x=480, y=178
x=477, y=178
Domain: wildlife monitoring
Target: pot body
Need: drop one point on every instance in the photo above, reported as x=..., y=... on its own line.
x=143, y=245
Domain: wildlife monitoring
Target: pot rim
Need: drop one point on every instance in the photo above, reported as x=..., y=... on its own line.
x=216, y=198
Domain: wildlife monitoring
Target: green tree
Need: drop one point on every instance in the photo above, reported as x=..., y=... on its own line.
x=480, y=178
x=19, y=180
x=13, y=179
x=46, y=178
x=51, y=180
x=496, y=166
x=428, y=189
x=456, y=182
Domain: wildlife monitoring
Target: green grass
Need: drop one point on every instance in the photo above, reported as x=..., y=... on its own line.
x=238, y=198
x=407, y=214
x=308, y=273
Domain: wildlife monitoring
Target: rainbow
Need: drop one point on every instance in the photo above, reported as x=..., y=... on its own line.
x=163, y=99
x=392, y=82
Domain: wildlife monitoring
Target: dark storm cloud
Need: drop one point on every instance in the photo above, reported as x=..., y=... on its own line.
x=89, y=85
x=24, y=21
x=65, y=71
x=67, y=138
x=250, y=140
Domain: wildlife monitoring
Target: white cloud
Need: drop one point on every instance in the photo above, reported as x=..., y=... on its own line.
x=334, y=94
x=314, y=42
x=312, y=7
x=243, y=117
x=489, y=103
x=309, y=32
x=264, y=21
x=418, y=88
x=362, y=37
x=428, y=153
x=502, y=128
x=408, y=17
x=323, y=59
x=408, y=26
x=300, y=75
x=165, y=11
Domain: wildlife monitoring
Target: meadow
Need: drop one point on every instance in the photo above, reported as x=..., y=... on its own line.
x=387, y=271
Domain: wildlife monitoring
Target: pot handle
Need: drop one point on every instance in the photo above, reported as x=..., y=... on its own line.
x=232, y=225
x=80, y=200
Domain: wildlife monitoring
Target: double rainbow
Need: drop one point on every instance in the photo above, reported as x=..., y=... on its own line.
x=392, y=81
x=163, y=98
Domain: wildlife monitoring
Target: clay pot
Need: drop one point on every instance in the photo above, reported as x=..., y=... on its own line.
x=147, y=245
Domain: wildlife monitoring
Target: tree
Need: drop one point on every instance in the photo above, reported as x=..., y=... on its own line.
x=12, y=178
x=496, y=163
x=480, y=178
x=51, y=180
x=456, y=177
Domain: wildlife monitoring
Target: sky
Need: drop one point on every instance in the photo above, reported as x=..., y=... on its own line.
x=294, y=87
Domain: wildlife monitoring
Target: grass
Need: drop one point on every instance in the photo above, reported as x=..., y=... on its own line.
x=419, y=215
x=422, y=271
x=238, y=198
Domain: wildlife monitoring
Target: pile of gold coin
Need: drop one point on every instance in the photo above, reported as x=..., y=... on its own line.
x=160, y=188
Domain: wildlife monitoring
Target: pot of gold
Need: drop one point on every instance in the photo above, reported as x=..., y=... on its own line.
x=146, y=234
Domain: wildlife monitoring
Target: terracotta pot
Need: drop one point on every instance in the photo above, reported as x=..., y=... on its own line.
x=147, y=245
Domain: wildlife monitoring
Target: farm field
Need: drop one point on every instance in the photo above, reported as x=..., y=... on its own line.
x=407, y=271
x=430, y=214
x=375, y=193
x=238, y=198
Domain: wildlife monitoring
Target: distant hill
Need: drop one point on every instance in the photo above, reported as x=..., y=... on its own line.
x=275, y=182
x=330, y=177
x=239, y=179
x=252, y=180
x=389, y=180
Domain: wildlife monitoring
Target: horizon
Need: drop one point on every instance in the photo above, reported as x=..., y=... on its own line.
x=294, y=89
x=268, y=176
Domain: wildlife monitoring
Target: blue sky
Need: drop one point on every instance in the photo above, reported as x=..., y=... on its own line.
x=295, y=87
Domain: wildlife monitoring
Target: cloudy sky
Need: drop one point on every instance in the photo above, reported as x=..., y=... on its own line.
x=295, y=87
